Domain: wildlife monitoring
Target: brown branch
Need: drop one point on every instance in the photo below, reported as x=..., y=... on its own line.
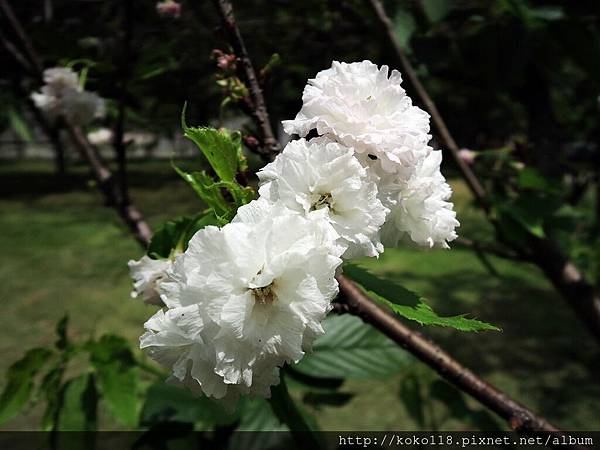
x=51, y=130
x=581, y=295
x=353, y=300
x=270, y=145
x=33, y=57
x=130, y=215
x=447, y=139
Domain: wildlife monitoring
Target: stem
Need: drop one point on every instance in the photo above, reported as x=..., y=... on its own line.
x=270, y=146
x=34, y=59
x=132, y=217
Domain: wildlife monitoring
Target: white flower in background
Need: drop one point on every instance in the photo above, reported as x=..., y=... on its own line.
x=323, y=180
x=61, y=96
x=140, y=138
x=81, y=107
x=361, y=107
x=147, y=274
x=60, y=79
x=168, y=8
x=243, y=300
x=100, y=136
x=419, y=207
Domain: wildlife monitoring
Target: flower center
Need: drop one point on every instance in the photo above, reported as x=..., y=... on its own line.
x=264, y=295
x=322, y=201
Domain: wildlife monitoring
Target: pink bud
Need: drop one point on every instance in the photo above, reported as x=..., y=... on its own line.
x=468, y=156
x=225, y=62
x=168, y=8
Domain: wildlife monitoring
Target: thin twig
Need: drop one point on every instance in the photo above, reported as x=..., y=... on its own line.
x=447, y=139
x=270, y=145
x=132, y=217
x=50, y=129
x=581, y=295
x=34, y=59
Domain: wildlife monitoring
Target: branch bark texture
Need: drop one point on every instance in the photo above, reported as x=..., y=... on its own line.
x=356, y=302
x=270, y=145
x=581, y=295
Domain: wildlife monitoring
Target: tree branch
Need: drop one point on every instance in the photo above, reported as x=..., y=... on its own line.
x=579, y=294
x=353, y=300
x=270, y=145
x=34, y=59
x=447, y=139
x=132, y=217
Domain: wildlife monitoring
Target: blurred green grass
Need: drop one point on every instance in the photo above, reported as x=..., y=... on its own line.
x=64, y=252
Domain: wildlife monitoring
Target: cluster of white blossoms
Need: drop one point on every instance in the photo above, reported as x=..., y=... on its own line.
x=62, y=96
x=246, y=298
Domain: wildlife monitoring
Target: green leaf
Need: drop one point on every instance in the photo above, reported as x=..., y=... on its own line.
x=410, y=393
x=304, y=380
x=117, y=377
x=220, y=148
x=352, y=349
x=527, y=218
x=302, y=425
x=19, y=125
x=61, y=331
x=458, y=408
x=404, y=27
x=79, y=405
x=208, y=191
x=175, y=235
x=168, y=403
x=530, y=178
x=436, y=10
x=51, y=388
x=20, y=382
x=319, y=399
x=274, y=62
x=408, y=304
x=288, y=412
x=256, y=415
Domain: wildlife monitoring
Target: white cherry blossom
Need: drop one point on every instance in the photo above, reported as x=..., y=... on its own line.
x=147, y=274
x=253, y=294
x=62, y=96
x=361, y=107
x=322, y=180
x=420, y=207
